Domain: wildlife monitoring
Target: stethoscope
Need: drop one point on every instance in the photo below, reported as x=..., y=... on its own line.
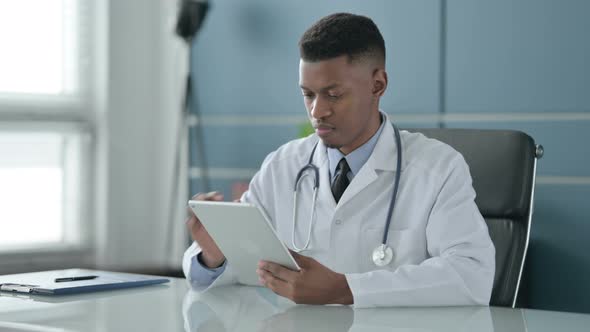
x=383, y=254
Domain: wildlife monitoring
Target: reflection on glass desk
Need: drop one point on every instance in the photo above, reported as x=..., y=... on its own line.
x=174, y=307
x=238, y=308
x=258, y=309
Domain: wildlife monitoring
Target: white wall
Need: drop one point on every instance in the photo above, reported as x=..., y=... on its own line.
x=136, y=134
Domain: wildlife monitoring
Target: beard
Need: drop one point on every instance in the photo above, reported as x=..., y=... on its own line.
x=331, y=145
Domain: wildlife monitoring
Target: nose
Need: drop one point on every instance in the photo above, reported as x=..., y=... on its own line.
x=320, y=108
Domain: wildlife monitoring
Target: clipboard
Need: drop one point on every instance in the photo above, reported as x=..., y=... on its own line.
x=73, y=281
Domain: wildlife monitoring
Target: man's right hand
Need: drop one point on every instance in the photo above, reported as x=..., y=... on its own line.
x=211, y=255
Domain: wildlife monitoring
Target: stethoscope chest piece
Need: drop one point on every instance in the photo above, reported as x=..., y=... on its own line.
x=382, y=255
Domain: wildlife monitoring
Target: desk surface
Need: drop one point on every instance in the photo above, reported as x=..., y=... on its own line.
x=174, y=307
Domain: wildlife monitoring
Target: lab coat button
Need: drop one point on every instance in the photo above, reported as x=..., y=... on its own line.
x=338, y=221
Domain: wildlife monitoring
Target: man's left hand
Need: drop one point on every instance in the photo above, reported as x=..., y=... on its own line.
x=313, y=284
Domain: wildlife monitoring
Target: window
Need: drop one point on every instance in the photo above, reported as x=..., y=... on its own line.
x=40, y=52
x=40, y=177
x=46, y=116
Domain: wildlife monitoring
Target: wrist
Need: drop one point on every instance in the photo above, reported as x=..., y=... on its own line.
x=210, y=255
x=343, y=290
x=209, y=262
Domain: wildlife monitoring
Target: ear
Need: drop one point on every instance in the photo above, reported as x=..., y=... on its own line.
x=379, y=82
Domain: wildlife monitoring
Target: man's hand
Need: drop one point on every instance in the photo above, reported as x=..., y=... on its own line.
x=211, y=255
x=313, y=284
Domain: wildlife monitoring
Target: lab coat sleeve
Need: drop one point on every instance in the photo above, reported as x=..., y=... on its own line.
x=199, y=273
x=460, y=270
x=201, y=278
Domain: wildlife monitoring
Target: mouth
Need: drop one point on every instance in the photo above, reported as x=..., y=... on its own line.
x=323, y=130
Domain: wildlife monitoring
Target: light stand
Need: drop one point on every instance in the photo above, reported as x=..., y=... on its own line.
x=191, y=15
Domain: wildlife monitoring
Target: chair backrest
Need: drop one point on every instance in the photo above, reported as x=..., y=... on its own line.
x=503, y=166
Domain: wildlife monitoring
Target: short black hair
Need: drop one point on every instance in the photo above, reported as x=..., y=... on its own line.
x=342, y=34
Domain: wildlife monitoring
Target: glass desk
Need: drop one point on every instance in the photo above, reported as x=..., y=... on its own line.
x=174, y=307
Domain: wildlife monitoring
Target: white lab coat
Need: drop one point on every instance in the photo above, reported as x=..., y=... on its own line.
x=443, y=254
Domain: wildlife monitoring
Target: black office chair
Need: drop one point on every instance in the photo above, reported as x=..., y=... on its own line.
x=503, y=167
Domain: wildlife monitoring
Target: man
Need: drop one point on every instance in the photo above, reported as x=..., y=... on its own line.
x=442, y=252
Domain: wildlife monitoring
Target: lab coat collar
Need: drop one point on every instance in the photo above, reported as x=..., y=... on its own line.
x=321, y=160
x=384, y=155
x=383, y=158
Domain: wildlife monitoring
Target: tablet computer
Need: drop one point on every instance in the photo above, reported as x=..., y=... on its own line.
x=245, y=236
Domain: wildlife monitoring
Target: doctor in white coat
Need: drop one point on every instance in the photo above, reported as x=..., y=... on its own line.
x=442, y=252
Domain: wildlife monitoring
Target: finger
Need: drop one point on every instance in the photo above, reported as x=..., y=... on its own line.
x=299, y=258
x=190, y=221
x=196, y=196
x=278, y=271
x=191, y=214
x=295, y=254
x=273, y=283
x=210, y=196
x=193, y=224
x=213, y=196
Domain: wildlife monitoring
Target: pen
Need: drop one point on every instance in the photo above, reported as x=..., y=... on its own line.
x=75, y=278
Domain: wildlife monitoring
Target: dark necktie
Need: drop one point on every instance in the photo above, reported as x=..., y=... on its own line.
x=341, y=181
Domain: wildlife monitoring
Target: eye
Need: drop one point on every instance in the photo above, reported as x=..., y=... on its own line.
x=307, y=95
x=333, y=96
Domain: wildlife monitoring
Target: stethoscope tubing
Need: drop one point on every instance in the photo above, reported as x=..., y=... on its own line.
x=398, y=144
x=316, y=172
